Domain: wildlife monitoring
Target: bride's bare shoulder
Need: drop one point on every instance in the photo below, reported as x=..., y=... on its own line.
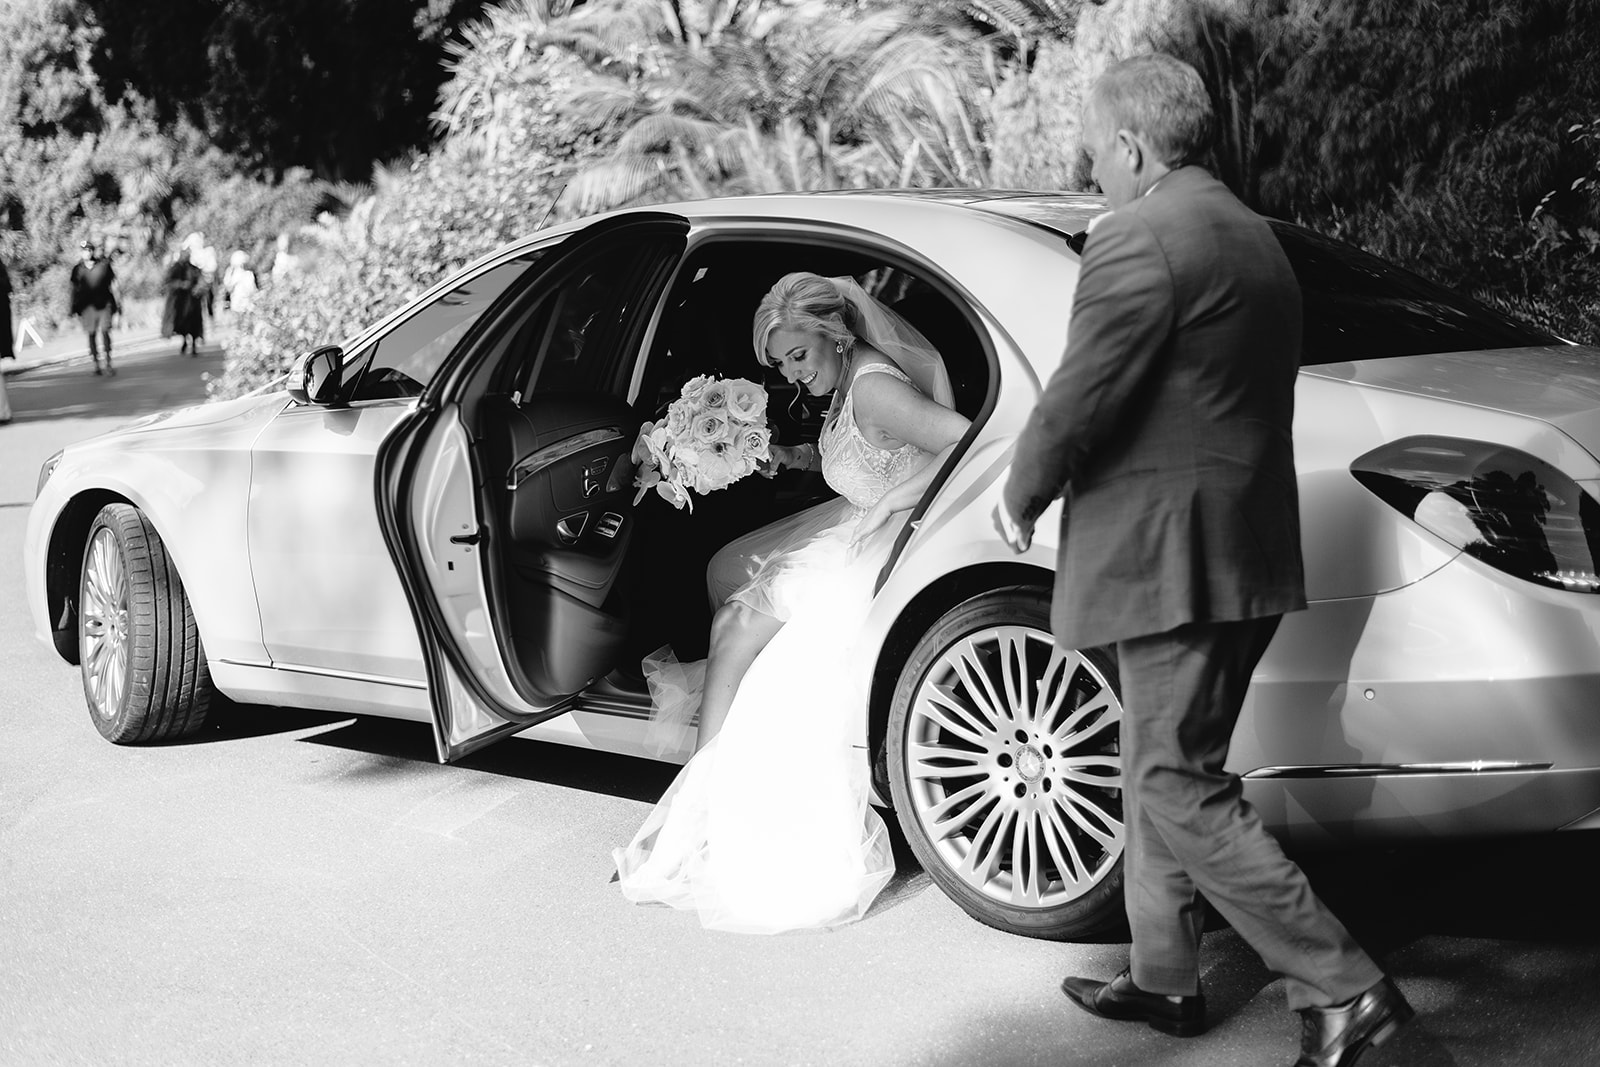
x=866, y=356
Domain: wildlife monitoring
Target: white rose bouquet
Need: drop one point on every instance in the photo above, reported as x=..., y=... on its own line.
x=714, y=434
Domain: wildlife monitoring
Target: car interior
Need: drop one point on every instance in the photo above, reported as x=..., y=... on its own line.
x=584, y=582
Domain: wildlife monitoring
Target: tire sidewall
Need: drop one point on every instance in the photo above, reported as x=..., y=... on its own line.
x=1098, y=912
x=128, y=722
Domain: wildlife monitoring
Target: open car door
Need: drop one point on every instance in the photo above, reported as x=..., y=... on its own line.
x=508, y=508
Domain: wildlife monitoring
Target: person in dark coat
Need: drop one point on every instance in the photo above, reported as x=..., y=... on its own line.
x=94, y=301
x=1166, y=431
x=5, y=339
x=181, y=314
x=6, y=351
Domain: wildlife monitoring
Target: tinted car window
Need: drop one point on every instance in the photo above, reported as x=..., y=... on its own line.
x=401, y=361
x=1359, y=307
x=576, y=338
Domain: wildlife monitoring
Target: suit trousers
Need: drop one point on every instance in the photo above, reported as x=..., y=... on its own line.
x=1189, y=827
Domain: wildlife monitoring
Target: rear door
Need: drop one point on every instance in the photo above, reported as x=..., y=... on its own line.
x=508, y=545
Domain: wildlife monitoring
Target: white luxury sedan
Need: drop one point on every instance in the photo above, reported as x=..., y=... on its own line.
x=435, y=521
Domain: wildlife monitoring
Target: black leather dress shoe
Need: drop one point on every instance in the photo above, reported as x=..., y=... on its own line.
x=1121, y=999
x=1335, y=1036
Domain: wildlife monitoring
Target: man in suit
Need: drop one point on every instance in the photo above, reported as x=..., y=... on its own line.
x=1166, y=432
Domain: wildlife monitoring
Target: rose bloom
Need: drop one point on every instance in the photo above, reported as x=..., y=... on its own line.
x=755, y=442
x=695, y=386
x=709, y=428
x=715, y=398
x=747, y=401
x=678, y=416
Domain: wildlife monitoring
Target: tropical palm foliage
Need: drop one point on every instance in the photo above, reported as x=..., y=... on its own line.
x=806, y=97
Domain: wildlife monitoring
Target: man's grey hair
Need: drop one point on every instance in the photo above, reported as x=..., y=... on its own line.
x=1163, y=100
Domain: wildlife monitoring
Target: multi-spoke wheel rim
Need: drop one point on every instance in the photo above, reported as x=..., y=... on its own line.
x=1013, y=767
x=104, y=612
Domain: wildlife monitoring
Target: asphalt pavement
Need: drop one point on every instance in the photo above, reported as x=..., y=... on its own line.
x=293, y=887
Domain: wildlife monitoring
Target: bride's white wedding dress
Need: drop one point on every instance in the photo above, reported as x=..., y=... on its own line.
x=768, y=828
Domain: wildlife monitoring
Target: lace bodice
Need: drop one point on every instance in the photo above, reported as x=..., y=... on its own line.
x=854, y=467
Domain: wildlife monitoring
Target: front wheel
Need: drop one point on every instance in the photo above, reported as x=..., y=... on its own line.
x=144, y=673
x=1005, y=769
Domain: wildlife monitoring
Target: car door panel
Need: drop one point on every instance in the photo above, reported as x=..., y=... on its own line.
x=571, y=489
x=553, y=476
x=325, y=584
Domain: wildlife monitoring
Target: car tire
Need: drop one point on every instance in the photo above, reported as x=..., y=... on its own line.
x=1005, y=769
x=144, y=671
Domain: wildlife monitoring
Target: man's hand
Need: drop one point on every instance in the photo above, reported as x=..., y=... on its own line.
x=1012, y=532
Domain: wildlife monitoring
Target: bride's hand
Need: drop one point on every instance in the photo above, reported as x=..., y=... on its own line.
x=870, y=523
x=779, y=457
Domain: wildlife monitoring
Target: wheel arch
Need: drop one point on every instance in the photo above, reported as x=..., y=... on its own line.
x=64, y=560
x=919, y=615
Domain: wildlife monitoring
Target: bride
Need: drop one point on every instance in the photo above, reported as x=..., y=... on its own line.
x=768, y=828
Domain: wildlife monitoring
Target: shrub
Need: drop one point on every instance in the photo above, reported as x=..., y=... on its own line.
x=448, y=210
x=249, y=213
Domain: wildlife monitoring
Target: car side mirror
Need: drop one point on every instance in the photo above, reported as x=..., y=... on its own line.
x=317, y=376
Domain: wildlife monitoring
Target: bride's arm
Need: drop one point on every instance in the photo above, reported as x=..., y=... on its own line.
x=890, y=406
x=902, y=496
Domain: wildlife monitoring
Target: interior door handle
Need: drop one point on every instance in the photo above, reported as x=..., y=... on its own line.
x=528, y=466
x=570, y=528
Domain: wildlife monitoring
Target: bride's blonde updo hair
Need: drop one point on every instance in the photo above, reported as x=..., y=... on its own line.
x=803, y=301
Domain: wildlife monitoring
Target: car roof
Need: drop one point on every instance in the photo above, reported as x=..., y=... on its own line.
x=1065, y=214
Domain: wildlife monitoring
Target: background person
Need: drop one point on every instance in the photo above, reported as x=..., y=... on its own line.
x=94, y=300
x=181, y=314
x=284, y=261
x=204, y=257
x=1167, y=430
x=6, y=337
x=5, y=340
x=238, y=283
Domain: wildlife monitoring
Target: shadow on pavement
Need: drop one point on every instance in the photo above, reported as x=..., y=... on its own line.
x=1494, y=943
x=228, y=721
x=1537, y=889
x=523, y=758
x=152, y=381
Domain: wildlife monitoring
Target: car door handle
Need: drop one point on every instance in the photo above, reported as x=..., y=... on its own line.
x=467, y=538
x=570, y=528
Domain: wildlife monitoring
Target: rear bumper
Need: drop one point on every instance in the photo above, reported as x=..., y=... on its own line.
x=1312, y=813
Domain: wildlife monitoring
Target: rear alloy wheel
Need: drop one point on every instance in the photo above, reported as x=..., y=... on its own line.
x=1005, y=769
x=144, y=672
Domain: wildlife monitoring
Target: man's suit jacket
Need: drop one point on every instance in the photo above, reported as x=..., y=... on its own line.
x=1166, y=428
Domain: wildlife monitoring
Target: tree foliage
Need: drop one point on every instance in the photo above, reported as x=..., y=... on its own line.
x=331, y=85
x=1453, y=137
x=785, y=96
x=1384, y=94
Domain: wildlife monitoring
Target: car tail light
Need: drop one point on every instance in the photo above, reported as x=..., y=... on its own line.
x=1511, y=510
